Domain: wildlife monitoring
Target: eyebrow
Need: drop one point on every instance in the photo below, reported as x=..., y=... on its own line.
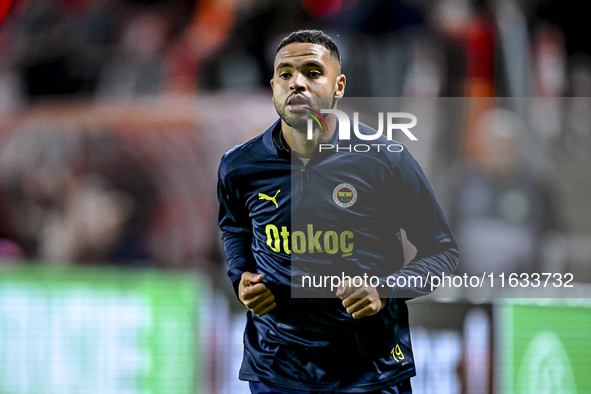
x=283, y=64
x=311, y=63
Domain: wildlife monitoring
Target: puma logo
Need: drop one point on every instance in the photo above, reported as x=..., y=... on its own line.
x=263, y=196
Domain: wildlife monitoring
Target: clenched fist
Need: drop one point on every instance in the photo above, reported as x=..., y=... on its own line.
x=255, y=295
x=360, y=301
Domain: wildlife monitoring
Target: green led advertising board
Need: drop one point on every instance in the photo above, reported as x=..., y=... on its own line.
x=545, y=348
x=99, y=330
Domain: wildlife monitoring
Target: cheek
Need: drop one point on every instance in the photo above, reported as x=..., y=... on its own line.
x=325, y=89
x=329, y=84
x=278, y=97
x=278, y=89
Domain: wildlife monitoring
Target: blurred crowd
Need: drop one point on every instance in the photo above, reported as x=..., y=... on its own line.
x=120, y=48
x=114, y=114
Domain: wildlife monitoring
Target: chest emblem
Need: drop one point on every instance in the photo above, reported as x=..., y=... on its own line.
x=344, y=195
x=263, y=196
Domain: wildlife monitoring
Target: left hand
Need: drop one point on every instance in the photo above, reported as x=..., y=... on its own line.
x=361, y=301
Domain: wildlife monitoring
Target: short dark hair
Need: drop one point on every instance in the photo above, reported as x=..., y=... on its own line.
x=311, y=37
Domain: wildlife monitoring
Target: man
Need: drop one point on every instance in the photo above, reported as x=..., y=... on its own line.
x=287, y=208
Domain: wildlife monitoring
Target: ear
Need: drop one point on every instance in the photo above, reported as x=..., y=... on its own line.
x=272, y=85
x=340, y=87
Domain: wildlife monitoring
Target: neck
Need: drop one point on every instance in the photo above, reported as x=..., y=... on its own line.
x=298, y=142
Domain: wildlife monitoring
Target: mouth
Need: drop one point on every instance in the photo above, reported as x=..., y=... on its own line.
x=297, y=103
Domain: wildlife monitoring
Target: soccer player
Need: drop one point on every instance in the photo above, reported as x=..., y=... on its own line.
x=287, y=207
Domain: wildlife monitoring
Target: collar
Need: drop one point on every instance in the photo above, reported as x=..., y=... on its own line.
x=274, y=139
x=268, y=139
x=278, y=139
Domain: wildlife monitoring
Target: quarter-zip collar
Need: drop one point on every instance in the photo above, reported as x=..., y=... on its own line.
x=273, y=139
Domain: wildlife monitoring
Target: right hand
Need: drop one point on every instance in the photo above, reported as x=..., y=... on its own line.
x=255, y=295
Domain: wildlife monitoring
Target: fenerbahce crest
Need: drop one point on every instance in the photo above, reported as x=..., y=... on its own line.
x=344, y=195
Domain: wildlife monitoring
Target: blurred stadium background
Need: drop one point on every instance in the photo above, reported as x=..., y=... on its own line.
x=114, y=115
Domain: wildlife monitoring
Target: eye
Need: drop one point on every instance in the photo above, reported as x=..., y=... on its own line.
x=314, y=74
x=284, y=75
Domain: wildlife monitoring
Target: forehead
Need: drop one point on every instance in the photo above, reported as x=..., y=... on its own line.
x=298, y=51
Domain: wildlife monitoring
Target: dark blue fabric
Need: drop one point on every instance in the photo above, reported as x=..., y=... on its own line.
x=313, y=343
x=403, y=387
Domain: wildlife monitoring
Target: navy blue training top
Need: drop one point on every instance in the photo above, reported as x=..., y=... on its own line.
x=339, y=214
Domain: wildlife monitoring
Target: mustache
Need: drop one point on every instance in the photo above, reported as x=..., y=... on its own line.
x=306, y=99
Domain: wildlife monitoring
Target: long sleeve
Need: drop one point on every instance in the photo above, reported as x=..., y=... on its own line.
x=236, y=231
x=427, y=228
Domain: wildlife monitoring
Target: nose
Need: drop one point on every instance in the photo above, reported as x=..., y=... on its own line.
x=298, y=82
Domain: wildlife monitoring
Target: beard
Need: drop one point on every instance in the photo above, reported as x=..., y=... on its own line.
x=299, y=119
x=281, y=109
